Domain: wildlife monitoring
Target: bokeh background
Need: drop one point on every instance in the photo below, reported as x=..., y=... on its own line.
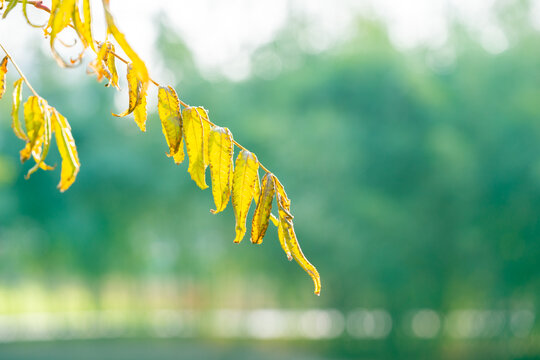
x=407, y=135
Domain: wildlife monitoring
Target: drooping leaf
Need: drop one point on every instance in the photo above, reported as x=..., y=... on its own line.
x=78, y=25
x=67, y=150
x=54, y=9
x=11, y=4
x=139, y=68
x=261, y=217
x=171, y=121
x=17, y=97
x=286, y=232
x=99, y=64
x=61, y=18
x=257, y=189
x=33, y=120
x=196, y=134
x=298, y=255
x=243, y=188
x=257, y=194
x=111, y=65
x=45, y=141
x=83, y=27
x=3, y=72
x=203, y=115
x=134, y=89
x=283, y=201
x=87, y=24
x=140, y=114
x=281, y=236
x=220, y=150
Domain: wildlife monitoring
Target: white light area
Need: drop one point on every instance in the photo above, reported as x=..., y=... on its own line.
x=371, y=324
x=535, y=14
x=228, y=323
x=268, y=324
x=493, y=39
x=223, y=35
x=168, y=323
x=464, y=324
x=425, y=323
x=522, y=322
x=415, y=22
x=317, y=324
x=475, y=323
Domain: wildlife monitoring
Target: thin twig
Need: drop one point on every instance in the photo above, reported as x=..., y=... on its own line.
x=19, y=71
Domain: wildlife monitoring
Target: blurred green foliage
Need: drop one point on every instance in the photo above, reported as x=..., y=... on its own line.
x=414, y=176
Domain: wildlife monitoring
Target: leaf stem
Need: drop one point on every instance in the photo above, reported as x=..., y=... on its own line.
x=19, y=71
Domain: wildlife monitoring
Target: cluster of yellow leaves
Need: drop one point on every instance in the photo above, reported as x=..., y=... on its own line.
x=210, y=145
x=206, y=143
x=40, y=121
x=67, y=13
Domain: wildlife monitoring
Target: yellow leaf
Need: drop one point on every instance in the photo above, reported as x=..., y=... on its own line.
x=281, y=236
x=83, y=28
x=244, y=177
x=292, y=242
x=99, y=65
x=33, y=120
x=9, y=7
x=283, y=201
x=139, y=113
x=17, y=97
x=179, y=156
x=54, y=8
x=275, y=221
x=196, y=134
x=257, y=190
x=67, y=150
x=171, y=119
x=140, y=70
x=111, y=65
x=261, y=217
x=45, y=140
x=78, y=25
x=87, y=24
x=134, y=89
x=203, y=114
x=61, y=18
x=220, y=150
x=273, y=218
x=3, y=72
x=288, y=236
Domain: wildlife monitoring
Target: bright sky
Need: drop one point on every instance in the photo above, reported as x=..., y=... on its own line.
x=222, y=34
